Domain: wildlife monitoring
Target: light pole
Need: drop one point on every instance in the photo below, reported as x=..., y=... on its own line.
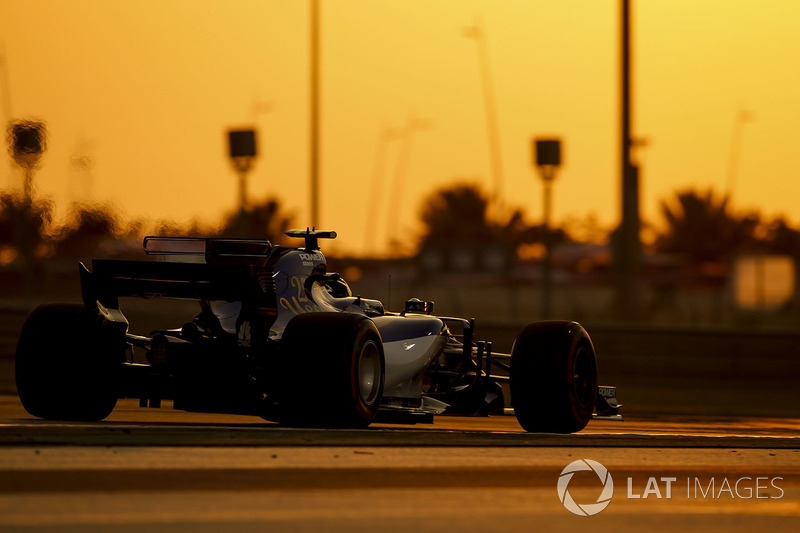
x=242, y=146
x=547, y=158
x=627, y=246
x=5, y=89
x=27, y=141
x=314, y=144
x=742, y=118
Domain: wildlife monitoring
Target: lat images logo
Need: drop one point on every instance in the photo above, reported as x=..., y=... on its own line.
x=587, y=509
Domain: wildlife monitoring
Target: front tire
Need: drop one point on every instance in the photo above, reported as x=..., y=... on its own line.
x=341, y=364
x=553, y=377
x=66, y=367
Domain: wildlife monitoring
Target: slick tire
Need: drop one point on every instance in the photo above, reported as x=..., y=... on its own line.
x=553, y=377
x=338, y=366
x=65, y=367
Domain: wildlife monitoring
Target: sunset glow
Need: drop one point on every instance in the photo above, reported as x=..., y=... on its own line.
x=137, y=97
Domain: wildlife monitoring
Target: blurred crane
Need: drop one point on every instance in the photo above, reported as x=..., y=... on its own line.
x=478, y=33
x=413, y=125
x=371, y=229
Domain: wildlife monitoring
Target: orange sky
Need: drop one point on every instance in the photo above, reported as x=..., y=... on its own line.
x=147, y=89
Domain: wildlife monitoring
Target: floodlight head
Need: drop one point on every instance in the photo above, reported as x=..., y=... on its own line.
x=547, y=156
x=242, y=143
x=27, y=140
x=548, y=152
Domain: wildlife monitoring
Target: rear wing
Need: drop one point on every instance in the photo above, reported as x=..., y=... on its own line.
x=110, y=279
x=200, y=269
x=206, y=269
x=213, y=250
x=216, y=249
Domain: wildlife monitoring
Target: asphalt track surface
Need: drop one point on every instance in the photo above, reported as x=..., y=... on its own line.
x=165, y=470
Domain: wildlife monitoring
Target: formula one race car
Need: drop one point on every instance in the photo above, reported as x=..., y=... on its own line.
x=278, y=336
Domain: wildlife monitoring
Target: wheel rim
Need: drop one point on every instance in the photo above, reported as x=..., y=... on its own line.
x=369, y=372
x=583, y=377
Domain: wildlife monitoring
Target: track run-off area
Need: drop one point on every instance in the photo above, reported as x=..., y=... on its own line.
x=166, y=470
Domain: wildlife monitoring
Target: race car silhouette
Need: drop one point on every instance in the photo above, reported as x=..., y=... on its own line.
x=278, y=336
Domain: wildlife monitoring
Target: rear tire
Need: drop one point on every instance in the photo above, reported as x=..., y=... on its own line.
x=339, y=363
x=553, y=377
x=66, y=367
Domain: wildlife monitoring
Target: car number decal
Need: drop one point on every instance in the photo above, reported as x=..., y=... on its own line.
x=300, y=303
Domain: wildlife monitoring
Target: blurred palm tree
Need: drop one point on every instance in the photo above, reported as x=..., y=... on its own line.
x=89, y=228
x=701, y=229
x=784, y=239
x=24, y=223
x=456, y=215
x=456, y=220
x=263, y=220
